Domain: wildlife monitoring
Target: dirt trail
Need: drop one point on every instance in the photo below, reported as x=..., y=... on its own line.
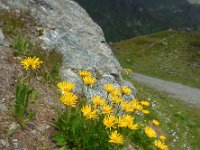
x=176, y=90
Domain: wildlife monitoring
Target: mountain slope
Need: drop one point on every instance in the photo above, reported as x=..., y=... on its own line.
x=123, y=19
x=170, y=55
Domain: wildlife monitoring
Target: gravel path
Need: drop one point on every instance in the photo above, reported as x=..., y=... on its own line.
x=176, y=90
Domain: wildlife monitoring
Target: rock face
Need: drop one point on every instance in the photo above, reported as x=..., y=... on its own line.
x=70, y=29
x=1, y=37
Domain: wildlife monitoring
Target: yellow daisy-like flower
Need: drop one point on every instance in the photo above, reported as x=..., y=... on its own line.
x=127, y=107
x=138, y=107
x=128, y=118
x=29, y=62
x=155, y=122
x=97, y=101
x=68, y=99
x=116, y=92
x=163, y=138
x=126, y=90
x=129, y=70
x=121, y=122
x=126, y=121
x=109, y=88
x=145, y=112
x=160, y=145
x=145, y=103
x=88, y=80
x=84, y=73
x=66, y=86
x=106, y=109
x=133, y=126
x=134, y=102
x=115, y=99
x=116, y=138
x=109, y=121
x=150, y=132
x=89, y=113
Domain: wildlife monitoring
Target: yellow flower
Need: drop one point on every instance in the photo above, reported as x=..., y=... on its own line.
x=136, y=105
x=66, y=86
x=128, y=70
x=128, y=118
x=109, y=88
x=84, y=73
x=89, y=113
x=68, y=99
x=106, y=109
x=116, y=138
x=109, y=121
x=150, y=132
x=97, y=101
x=127, y=107
x=133, y=126
x=116, y=99
x=134, y=102
x=126, y=90
x=145, y=103
x=115, y=92
x=89, y=80
x=155, y=122
x=160, y=145
x=126, y=121
x=163, y=138
x=121, y=122
x=29, y=62
x=145, y=112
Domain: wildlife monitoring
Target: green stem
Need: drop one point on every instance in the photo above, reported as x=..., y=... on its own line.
x=118, y=108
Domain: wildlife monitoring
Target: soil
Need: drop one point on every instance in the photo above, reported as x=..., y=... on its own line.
x=38, y=131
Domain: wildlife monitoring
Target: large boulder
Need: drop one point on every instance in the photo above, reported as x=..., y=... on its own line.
x=1, y=37
x=81, y=41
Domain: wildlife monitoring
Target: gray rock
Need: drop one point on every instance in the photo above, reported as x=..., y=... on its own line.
x=3, y=107
x=1, y=37
x=43, y=127
x=70, y=29
x=3, y=144
x=15, y=143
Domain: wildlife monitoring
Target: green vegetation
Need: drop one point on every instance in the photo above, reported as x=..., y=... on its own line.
x=23, y=95
x=169, y=55
x=50, y=71
x=20, y=30
x=179, y=120
x=104, y=122
x=21, y=45
x=14, y=23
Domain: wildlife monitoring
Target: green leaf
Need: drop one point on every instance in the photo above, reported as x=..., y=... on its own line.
x=60, y=139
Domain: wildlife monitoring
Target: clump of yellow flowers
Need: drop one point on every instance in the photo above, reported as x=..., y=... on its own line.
x=114, y=112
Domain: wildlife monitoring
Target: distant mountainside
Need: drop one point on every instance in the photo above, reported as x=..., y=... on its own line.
x=194, y=1
x=170, y=55
x=123, y=19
